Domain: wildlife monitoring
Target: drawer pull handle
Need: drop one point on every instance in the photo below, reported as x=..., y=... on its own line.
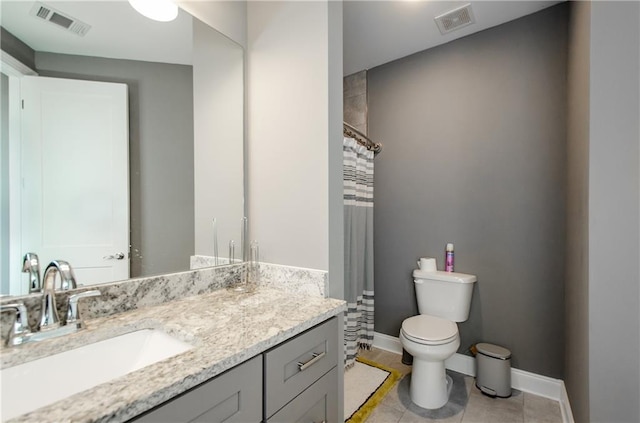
x=316, y=357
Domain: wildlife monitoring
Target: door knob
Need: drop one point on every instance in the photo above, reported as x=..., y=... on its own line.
x=116, y=256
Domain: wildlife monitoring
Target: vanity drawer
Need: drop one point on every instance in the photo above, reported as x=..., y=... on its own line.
x=295, y=365
x=318, y=403
x=234, y=396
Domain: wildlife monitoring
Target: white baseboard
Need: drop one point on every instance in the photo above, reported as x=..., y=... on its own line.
x=462, y=364
x=387, y=342
x=521, y=380
x=565, y=407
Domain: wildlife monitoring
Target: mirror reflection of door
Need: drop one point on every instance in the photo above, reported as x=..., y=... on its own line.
x=5, y=221
x=11, y=253
x=186, y=124
x=75, y=178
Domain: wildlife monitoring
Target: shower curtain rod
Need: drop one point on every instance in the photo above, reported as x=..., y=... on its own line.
x=361, y=138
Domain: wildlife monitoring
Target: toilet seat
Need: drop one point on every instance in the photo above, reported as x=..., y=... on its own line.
x=429, y=330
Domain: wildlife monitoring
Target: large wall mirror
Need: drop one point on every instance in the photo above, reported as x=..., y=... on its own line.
x=178, y=98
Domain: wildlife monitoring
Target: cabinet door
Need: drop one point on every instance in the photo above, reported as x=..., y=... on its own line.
x=318, y=403
x=234, y=396
x=296, y=364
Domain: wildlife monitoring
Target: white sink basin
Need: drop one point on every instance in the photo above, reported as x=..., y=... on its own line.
x=32, y=385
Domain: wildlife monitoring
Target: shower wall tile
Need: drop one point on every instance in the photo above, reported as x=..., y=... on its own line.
x=355, y=84
x=355, y=112
x=355, y=100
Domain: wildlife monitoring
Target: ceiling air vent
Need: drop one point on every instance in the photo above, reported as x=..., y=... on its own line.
x=455, y=19
x=60, y=19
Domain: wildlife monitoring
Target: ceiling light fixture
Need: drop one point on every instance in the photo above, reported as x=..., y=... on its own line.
x=158, y=10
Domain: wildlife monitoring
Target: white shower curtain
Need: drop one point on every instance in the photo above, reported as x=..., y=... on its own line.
x=358, y=248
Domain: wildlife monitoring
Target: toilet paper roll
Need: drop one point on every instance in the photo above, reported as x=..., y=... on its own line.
x=427, y=264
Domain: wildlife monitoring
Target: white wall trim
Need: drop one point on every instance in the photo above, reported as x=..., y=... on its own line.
x=536, y=384
x=387, y=342
x=14, y=67
x=463, y=364
x=521, y=380
x=565, y=407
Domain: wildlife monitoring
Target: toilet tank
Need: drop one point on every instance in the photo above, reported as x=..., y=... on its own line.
x=444, y=294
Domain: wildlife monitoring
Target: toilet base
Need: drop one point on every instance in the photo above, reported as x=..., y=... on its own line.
x=430, y=385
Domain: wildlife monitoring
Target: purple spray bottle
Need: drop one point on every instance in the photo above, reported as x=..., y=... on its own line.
x=448, y=258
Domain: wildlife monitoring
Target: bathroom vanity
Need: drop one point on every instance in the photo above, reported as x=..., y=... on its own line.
x=263, y=355
x=277, y=381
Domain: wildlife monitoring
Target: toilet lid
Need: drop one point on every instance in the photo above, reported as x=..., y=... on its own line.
x=427, y=329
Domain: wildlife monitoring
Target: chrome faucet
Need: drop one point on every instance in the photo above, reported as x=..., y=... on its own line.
x=19, y=332
x=31, y=265
x=49, y=319
x=49, y=325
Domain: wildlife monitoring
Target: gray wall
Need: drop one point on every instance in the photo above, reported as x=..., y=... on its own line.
x=576, y=360
x=17, y=49
x=475, y=154
x=614, y=213
x=160, y=153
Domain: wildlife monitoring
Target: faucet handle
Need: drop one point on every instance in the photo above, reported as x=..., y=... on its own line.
x=73, y=313
x=20, y=328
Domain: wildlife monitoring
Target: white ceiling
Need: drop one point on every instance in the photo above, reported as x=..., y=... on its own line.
x=377, y=32
x=117, y=31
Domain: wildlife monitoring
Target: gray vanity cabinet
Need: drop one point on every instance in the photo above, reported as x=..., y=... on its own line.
x=295, y=365
x=318, y=403
x=234, y=396
x=296, y=381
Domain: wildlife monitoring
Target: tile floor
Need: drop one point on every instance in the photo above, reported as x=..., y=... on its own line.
x=521, y=407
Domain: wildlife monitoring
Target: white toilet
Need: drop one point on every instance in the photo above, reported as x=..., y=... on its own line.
x=431, y=337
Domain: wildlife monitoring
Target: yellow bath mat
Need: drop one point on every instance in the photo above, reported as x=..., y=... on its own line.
x=366, y=385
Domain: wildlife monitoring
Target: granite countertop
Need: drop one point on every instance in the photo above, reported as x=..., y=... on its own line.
x=225, y=328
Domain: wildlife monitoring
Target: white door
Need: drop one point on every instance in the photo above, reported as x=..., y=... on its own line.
x=75, y=193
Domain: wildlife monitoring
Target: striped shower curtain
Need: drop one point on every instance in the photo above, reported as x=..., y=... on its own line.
x=358, y=248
